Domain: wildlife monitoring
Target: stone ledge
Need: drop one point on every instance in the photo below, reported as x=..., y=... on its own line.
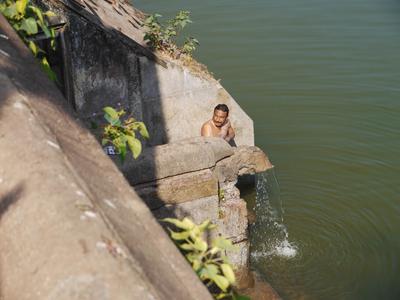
x=178, y=189
x=173, y=159
x=245, y=160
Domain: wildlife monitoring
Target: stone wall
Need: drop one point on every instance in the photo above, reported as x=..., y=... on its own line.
x=71, y=227
x=110, y=65
x=197, y=178
x=72, y=223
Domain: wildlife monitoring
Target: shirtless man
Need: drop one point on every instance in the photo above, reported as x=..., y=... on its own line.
x=219, y=125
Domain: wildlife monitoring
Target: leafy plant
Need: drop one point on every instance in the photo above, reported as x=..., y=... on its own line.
x=154, y=31
x=208, y=261
x=28, y=20
x=190, y=45
x=164, y=37
x=123, y=133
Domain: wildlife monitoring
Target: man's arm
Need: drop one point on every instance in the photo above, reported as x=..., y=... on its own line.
x=230, y=135
x=227, y=131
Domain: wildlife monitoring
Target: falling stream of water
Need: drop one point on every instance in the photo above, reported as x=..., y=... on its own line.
x=270, y=221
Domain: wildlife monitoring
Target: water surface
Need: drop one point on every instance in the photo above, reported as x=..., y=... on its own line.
x=321, y=80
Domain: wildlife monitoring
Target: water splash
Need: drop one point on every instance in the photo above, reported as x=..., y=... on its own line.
x=269, y=234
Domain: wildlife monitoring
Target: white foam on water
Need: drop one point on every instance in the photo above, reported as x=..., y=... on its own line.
x=283, y=249
x=286, y=249
x=270, y=223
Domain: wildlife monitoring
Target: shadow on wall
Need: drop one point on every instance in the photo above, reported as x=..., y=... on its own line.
x=110, y=77
x=109, y=69
x=82, y=158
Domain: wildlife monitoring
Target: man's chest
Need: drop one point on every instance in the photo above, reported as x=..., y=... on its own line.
x=215, y=130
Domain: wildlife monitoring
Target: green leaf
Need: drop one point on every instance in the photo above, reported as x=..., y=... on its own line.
x=111, y=112
x=16, y=26
x=130, y=132
x=205, y=225
x=104, y=142
x=122, y=150
x=49, y=14
x=111, y=115
x=47, y=69
x=196, y=265
x=184, y=224
x=134, y=145
x=120, y=145
x=33, y=47
x=29, y=26
x=224, y=258
x=113, y=122
x=195, y=232
x=45, y=29
x=192, y=256
x=10, y=12
x=214, y=250
x=221, y=282
x=186, y=246
x=223, y=244
x=179, y=235
x=53, y=44
x=52, y=39
x=37, y=12
x=143, y=130
x=41, y=21
x=21, y=6
x=228, y=273
x=209, y=271
x=222, y=296
x=200, y=245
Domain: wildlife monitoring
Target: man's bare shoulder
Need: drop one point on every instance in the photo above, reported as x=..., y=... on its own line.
x=206, y=129
x=206, y=124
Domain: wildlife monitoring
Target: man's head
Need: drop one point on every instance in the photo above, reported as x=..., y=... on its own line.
x=221, y=112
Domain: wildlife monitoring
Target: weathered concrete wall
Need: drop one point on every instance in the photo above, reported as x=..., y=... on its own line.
x=110, y=66
x=70, y=225
x=188, y=100
x=197, y=179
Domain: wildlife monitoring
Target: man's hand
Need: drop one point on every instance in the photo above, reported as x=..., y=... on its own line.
x=227, y=132
x=225, y=129
x=226, y=125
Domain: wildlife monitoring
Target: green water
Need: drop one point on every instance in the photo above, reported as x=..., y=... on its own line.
x=321, y=80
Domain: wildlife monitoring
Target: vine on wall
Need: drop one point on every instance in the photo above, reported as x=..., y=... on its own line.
x=29, y=20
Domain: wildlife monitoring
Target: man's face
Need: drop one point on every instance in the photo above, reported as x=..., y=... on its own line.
x=219, y=117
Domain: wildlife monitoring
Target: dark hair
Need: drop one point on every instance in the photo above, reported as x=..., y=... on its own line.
x=222, y=107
